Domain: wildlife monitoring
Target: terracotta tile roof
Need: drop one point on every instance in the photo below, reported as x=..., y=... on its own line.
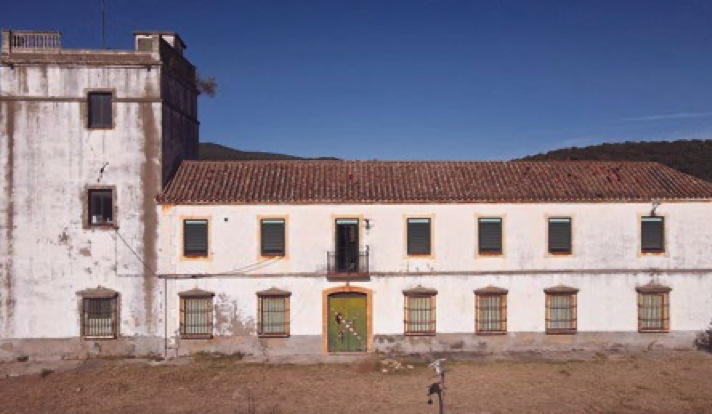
x=394, y=182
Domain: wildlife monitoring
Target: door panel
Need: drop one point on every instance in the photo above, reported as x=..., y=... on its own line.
x=347, y=323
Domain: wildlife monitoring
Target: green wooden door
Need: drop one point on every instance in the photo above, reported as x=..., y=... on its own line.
x=347, y=327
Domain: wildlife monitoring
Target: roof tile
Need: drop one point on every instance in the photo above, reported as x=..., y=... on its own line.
x=413, y=182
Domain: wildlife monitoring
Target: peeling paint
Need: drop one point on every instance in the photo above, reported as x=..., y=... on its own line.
x=229, y=320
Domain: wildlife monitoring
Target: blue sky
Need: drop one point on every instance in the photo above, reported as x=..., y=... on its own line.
x=424, y=79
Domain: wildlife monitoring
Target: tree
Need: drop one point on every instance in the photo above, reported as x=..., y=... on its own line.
x=206, y=85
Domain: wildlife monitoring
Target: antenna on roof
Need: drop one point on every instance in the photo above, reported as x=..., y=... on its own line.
x=103, y=24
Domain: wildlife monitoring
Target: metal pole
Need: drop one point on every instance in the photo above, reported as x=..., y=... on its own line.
x=103, y=24
x=441, y=396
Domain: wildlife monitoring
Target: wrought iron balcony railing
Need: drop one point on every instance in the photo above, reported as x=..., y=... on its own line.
x=347, y=263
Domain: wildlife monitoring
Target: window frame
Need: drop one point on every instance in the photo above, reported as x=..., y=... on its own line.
x=191, y=256
x=274, y=293
x=196, y=294
x=261, y=253
x=98, y=294
x=489, y=292
x=431, y=245
x=113, y=224
x=420, y=293
x=654, y=290
x=112, y=100
x=478, y=247
x=568, y=253
x=560, y=291
x=641, y=250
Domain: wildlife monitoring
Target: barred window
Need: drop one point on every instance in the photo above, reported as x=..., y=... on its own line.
x=491, y=310
x=196, y=315
x=653, y=308
x=561, y=310
x=273, y=313
x=99, y=317
x=419, y=312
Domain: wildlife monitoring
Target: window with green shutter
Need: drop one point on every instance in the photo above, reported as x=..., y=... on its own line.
x=560, y=235
x=195, y=238
x=272, y=237
x=652, y=235
x=489, y=236
x=419, y=232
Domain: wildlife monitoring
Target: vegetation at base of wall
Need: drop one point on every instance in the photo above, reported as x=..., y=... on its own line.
x=704, y=339
x=689, y=156
x=218, y=356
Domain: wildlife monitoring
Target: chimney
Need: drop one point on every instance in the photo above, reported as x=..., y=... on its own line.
x=148, y=41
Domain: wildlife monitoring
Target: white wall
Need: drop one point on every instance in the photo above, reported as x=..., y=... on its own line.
x=606, y=265
x=47, y=253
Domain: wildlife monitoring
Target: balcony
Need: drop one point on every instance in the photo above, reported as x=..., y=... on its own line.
x=347, y=264
x=29, y=40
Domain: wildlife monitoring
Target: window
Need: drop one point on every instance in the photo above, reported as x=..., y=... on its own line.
x=560, y=235
x=273, y=237
x=491, y=310
x=273, y=313
x=195, y=238
x=420, y=315
x=419, y=237
x=652, y=235
x=100, y=111
x=101, y=207
x=99, y=313
x=653, y=308
x=196, y=314
x=489, y=236
x=561, y=310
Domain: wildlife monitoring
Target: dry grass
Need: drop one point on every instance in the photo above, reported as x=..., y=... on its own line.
x=650, y=383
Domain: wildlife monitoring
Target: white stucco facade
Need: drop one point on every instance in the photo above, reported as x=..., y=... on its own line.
x=606, y=265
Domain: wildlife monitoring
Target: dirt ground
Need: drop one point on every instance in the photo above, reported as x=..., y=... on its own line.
x=671, y=382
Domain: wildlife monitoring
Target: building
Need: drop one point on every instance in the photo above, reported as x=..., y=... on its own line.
x=310, y=257
x=115, y=241
x=89, y=137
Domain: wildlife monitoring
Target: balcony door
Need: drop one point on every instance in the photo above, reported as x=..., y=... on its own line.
x=347, y=245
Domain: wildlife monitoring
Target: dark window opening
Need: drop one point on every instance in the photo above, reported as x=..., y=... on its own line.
x=195, y=238
x=652, y=233
x=100, y=110
x=489, y=236
x=419, y=237
x=560, y=235
x=273, y=237
x=101, y=207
